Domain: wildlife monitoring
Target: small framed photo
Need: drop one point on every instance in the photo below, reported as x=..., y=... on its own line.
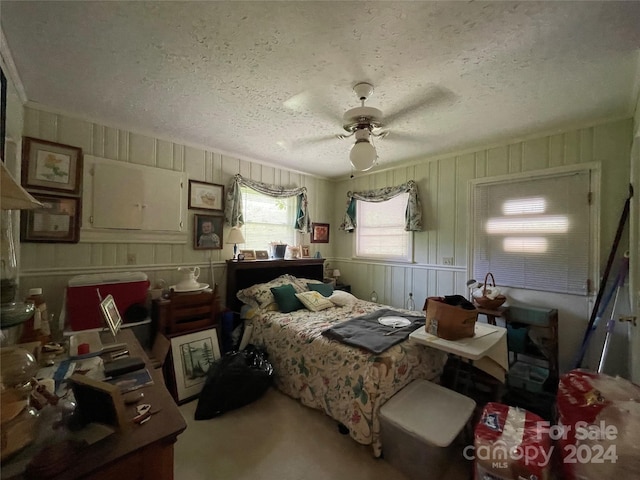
x=57, y=221
x=305, y=251
x=192, y=356
x=51, y=166
x=319, y=233
x=206, y=196
x=248, y=254
x=262, y=255
x=207, y=232
x=111, y=314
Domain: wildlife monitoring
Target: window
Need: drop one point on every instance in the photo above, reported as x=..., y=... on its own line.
x=534, y=233
x=380, y=233
x=267, y=219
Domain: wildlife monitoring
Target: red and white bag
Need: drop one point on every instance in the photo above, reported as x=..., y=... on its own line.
x=511, y=444
x=598, y=433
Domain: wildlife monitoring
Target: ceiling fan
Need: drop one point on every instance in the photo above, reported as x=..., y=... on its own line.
x=363, y=122
x=368, y=123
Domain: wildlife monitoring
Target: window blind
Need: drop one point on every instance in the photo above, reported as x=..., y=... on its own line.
x=267, y=219
x=380, y=231
x=534, y=233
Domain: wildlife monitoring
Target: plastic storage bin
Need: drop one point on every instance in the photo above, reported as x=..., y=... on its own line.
x=419, y=425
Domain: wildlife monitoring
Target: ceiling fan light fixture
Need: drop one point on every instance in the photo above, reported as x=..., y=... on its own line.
x=363, y=155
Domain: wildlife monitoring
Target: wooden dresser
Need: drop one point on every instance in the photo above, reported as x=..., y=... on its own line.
x=143, y=452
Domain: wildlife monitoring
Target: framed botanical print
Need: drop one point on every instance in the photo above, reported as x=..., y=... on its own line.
x=319, y=233
x=51, y=166
x=57, y=221
x=206, y=196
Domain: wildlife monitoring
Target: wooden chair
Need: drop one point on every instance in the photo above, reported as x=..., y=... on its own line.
x=189, y=312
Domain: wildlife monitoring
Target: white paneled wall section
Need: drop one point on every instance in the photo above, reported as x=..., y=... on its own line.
x=443, y=184
x=51, y=265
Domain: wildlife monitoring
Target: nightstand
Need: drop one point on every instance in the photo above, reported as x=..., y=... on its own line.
x=343, y=287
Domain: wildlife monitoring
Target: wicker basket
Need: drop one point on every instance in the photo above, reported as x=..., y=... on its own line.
x=486, y=302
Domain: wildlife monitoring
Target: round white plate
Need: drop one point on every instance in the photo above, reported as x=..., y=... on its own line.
x=201, y=286
x=395, y=322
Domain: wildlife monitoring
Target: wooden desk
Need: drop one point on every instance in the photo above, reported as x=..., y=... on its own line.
x=144, y=452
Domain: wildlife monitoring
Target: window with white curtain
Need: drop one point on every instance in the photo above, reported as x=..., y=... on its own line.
x=267, y=219
x=380, y=233
x=534, y=233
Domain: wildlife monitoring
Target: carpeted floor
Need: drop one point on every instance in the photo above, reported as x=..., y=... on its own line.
x=277, y=438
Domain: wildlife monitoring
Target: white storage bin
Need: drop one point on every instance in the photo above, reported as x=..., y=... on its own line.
x=419, y=425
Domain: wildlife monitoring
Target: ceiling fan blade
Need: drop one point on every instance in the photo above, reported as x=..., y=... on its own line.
x=309, y=142
x=435, y=95
x=392, y=136
x=310, y=102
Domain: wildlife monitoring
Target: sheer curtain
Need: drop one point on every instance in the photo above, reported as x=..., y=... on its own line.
x=233, y=209
x=413, y=213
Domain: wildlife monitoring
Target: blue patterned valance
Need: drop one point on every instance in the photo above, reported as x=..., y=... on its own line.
x=233, y=207
x=413, y=213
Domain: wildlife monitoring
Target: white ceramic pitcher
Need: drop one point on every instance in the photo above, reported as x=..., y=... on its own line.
x=189, y=277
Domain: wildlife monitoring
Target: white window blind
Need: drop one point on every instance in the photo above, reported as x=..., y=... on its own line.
x=534, y=233
x=380, y=229
x=267, y=219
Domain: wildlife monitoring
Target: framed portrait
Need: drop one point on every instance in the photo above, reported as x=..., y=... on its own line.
x=262, y=255
x=305, y=251
x=51, y=166
x=319, y=233
x=206, y=196
x=248, y=254
x=111, y=314
x=57, y=221
x=207, y=232
x=192, y=355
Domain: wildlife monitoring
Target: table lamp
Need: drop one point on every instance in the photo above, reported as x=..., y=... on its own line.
x=235, y=237
x=336, y=275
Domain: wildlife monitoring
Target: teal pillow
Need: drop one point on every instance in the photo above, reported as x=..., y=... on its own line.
x=324, y=289
x=286, y=299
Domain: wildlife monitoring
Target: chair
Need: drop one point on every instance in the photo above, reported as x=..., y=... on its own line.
x=187, y=312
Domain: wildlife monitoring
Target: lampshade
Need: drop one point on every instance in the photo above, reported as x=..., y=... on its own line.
x=235, y=236
x=363, y=155
x=13, y=196
x=336, y=273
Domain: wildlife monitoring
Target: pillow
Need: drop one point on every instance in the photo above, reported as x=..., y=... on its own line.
x=303, y=282
x=314, y=301
x=342, y=298
x=260, y=296
x=326, y=289
x=285, y=296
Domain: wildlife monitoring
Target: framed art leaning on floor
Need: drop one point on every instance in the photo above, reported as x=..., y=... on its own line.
x=192, y=356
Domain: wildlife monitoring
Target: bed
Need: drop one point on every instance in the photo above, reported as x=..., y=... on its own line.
x=349, y=384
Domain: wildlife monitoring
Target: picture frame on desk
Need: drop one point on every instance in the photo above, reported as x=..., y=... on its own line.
x=192, y=355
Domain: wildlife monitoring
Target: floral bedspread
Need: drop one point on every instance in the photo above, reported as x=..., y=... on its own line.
x=349, y=384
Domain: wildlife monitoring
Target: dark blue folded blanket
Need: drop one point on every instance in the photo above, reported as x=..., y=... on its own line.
x=366, y=332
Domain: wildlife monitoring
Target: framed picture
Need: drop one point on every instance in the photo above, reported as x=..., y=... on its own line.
x=206, y=196
x=207, y=232
x=58, y=221
x=305, y=251
x=98, y=401
x=319, y=233
x=192, y=356
x=51, y=166
x=262, y=255
x=111, y=314
x=248, y=254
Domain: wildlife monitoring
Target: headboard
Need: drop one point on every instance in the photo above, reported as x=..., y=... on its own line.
x=243, y=274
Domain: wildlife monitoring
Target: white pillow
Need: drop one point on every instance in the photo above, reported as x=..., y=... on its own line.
x=341, y=298
x=314, y=301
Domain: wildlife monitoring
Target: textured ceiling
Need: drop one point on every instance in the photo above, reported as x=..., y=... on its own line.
x=270, y=81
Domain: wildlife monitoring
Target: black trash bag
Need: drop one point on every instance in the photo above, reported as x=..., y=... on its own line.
x=235, y=380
